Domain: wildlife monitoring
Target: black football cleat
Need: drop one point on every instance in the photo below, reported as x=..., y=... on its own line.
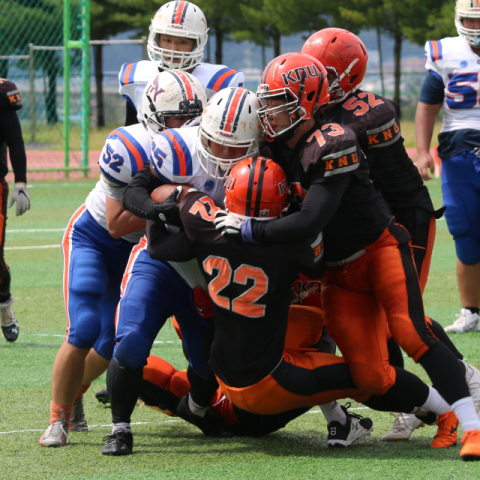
x=356, y=428
x=102, y=396
x=211, y=424
x=119, y=443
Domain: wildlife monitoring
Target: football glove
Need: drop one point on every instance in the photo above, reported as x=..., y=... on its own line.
x=20, y=196
x=169, y=210
x=228, y=224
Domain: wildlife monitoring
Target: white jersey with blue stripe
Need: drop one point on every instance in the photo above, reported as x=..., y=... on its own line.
x=125, y=152
x=174, y=160
x=453, y=61
x=133, y=78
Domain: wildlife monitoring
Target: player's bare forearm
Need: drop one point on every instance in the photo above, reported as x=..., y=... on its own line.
x=121, y=222
x=424, y=125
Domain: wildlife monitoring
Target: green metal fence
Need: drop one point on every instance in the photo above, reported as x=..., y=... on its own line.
x=44, y=50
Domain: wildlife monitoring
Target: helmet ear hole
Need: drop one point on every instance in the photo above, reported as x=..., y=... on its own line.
x=334, y=39
x=352, y=80
x=311, y=95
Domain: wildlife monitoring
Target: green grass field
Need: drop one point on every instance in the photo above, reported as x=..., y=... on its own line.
x=166, y=447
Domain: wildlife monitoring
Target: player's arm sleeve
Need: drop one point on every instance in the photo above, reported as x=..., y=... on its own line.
x=165, y=246
x=433, y=89
x=12, y=132
x=136, y=196
x=130, y=114
x=318, y=207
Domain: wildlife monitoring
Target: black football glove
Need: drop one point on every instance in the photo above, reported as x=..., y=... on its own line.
x=169, y=210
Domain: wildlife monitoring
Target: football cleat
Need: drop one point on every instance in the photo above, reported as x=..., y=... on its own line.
x=446, y=435
x=357, y=427
x=9, y=321
x=466, y=322
x=119, y=443
x=102, y=396
x=470, y=446
x=472, y=375
x=78, y=421
x=403, y=427
x=56, y=435
x=211, y=424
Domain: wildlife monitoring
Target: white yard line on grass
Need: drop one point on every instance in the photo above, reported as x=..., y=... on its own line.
x=57, y=335
x=33, y=247
x=30, y=230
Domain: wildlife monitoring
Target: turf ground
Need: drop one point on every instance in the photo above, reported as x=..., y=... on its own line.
x=166, y=447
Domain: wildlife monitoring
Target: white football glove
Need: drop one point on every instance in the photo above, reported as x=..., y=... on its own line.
x=229, y=224
x=20, y=196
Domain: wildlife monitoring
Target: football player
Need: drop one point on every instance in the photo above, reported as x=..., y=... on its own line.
x=11, y=137
x=177, y=38
x=260, y=369
x=375, y=122
x=369, y=259
x=152, y=290
x=97, y=245
x=452, y=83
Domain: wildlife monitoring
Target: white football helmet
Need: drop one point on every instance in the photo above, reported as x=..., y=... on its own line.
x=180, y=19
x=172, y=93
x=467, y=9
x=230, y=118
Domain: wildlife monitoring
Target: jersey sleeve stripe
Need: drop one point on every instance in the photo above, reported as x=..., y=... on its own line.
x=340, y=154
x=112, y=178
x=337, y=171
x=224, y=80
x=137, y=154
x=182, y=160
x=211, y=84
x=156, y=171
x=128, y=74
x=436, y=50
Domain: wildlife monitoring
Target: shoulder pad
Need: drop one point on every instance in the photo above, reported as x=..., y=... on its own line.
x=9, y=95
x=123, y=155
x=217, y=77
x=140, y=72
x=171, y=156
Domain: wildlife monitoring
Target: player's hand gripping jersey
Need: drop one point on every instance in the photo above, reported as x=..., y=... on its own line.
x=133, y=78
x=250, y=290
x=329, y=155
x=375, y=122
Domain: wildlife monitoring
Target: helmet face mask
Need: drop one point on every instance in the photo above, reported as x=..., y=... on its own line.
x=229, y=120
x=468, y=9
x=178, y=19
x=172, y=93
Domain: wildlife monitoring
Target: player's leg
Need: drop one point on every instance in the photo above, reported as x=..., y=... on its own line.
x=461, y=196
x=8, y=320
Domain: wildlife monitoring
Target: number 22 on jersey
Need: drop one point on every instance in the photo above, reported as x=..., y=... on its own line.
x=245, y=303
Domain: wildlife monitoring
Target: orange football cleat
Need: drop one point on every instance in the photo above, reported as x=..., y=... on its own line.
x=446, y=435
x=470, y=446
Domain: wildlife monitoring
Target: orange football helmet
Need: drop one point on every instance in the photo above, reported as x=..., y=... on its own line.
x=301, y=81
x=256, y=187
x=344, y=56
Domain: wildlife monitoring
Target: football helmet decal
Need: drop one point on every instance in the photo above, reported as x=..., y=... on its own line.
x=467, y=9
x=172, y=93
x=229, y=119
x=256, y=187
x=343, y=55
x=301, y=82
x=180, y=19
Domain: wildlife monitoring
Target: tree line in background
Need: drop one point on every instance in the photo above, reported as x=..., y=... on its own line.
x=263, y=22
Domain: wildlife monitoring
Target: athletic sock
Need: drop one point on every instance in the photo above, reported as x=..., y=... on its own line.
x=56, y=412
x=81, y=392
x=441, y=334
x=473, y=310
x=196, y=409
x=464, y=409
x=333, y=412
x=435, y=402
x=121, y=426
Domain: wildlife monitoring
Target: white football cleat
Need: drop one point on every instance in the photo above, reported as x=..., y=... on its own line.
x=403, y=427
x=56, y=435
x=472, y=376
x=466, y=322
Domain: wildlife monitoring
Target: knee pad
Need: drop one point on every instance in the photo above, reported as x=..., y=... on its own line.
x=468, y=249
x=132, y=351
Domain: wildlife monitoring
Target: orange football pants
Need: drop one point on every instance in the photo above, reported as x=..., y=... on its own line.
x=353, y=297
x=303, y=378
